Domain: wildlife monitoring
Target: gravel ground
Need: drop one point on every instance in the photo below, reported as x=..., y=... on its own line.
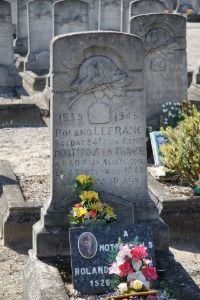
x=28, y=150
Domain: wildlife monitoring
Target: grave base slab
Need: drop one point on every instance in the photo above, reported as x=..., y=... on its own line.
x=17, y=216
x=32, y=81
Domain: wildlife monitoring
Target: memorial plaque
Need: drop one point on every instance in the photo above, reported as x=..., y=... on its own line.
x=70, y=16
x=165, y=60
x=157, y=139
x=90, y=247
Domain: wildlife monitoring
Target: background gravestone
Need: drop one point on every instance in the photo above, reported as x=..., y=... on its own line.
x=9, y=76
x=70, y=16
x=40, y=35
x=98, y=128
x=90, y=265
x=21, y=43
x=187, y=4
x=14, y=14
x=140, y=7
x=165, y=61
x=110, y=15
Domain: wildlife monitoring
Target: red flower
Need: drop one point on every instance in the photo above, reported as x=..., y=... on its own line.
x=93, y=213
x=139, y=252
x=150, y=273
x=125, y=269
x=78, y=205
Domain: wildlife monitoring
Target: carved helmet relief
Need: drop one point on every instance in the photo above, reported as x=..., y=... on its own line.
x=96, y=73
x=156, y=38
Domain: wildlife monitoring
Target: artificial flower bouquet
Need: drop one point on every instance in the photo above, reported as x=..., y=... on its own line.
x=90, y=207
x=133, y=272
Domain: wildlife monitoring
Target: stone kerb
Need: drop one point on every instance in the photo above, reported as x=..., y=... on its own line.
x=21, y=42
x=165, y=61
x=9, y=76
x=40, y=34
x=70, y=16
x=98, y=128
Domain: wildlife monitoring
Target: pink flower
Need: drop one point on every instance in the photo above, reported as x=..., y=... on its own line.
x=138, y=252
x=78, y=205
x=114, y=269
x=150, y=273
x=125, y=269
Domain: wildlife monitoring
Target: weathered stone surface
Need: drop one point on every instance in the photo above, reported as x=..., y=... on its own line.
x=42, y=281
x=17, y=217
x=14, y=14
x=40, y=34
x=90, y=249
x=140, y=7
x=70, y=16
x=110, y=15
x=9, y=76
x=98, y=128
x=184, y=5
x=21, y=43
x=165, y=61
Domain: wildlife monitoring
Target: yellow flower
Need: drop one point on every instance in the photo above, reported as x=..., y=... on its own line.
x=79, y=211
x=82, y=179
x=95, y=206
x=189, y=11
x=137, y=285
x=89, y=196
x=109, y=211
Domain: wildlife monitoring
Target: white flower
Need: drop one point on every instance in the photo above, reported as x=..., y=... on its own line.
x=136, y=275
x=163, y=105
x=172, y=108
x=123, y=287
x=170, y=103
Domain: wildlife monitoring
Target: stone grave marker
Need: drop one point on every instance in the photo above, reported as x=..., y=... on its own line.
x=184, y=5
x=165, y=61
x=98, y=128
x=40, y=35
x=9, y=76
x=14, y=14
x=140, y=7
x=70, y=16
x=110, y=15
x=21, y=42
x=90, y=248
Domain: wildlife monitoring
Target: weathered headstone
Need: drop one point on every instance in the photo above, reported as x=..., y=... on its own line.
x=98, y=128
x=40, y=35
x=9, y=76
x=21, y=43
x=165, y=61
x=14, y=14
x=90, y=249
x=110, y=15
x=184, y=5
x=140, y=7
x=70, y=16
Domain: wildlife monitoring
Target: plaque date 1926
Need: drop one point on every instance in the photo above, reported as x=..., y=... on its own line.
x=101, y=282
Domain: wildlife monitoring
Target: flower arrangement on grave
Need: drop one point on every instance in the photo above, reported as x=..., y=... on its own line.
x=89, y=207
x=133, y=273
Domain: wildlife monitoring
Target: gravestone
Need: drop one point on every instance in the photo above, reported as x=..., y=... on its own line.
x=14, y=14
x=40, y=35
x=21, y=42
x=9, y=76
x=165, y=61
x=98, y=128
x=90, y=249
x=110, y=15
x=70, y=16
x=140, y=7
x=184, y=5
